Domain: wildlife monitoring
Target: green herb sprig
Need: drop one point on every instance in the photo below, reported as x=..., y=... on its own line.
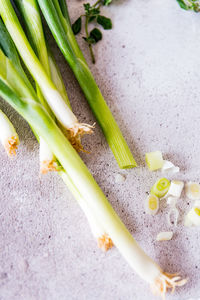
x=190, y=5
x=92, y=13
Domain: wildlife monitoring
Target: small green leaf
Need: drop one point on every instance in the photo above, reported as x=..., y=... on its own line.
x=96, y=35
x=92, y=19
x=76, y=27
x=105, y=22
x=107, y=2
x=87, y=7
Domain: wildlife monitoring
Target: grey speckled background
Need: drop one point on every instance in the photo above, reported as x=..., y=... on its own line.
x=148, y=68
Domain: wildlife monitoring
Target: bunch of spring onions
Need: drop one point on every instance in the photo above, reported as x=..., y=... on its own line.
x=42, y=112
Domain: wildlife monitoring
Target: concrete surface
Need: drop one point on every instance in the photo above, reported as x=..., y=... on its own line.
x=148, y=68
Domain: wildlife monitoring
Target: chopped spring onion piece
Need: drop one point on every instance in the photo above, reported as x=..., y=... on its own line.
x=164, y=236
x=176, y=188
x=61, y=110
x=152, y=205
x=8, y=135
x=168, y=166
x=56, y=15
x=161, y=187
x=154, y=160
x=45, y=126
x=172, y=216
x=192, y=190
x=171, y=201
x=193, y=216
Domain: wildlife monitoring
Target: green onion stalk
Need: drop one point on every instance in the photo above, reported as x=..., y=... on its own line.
x=54, y=99
x=78, y=178
x=57, y=17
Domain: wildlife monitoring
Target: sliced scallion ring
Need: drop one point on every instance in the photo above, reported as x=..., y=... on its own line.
x=152, y=205
x=161, y=187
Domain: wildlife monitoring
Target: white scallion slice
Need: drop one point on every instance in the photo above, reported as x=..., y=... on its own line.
x=176, y=188
x=192, y=190
x=164, y=236
x=172, y=216
x=152, y=205
x=161, y=187
x=154, y=160
x=193, y=216
x=171, y=201
x=168, y=166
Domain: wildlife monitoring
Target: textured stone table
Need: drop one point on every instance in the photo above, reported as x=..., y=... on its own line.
x=148, y=68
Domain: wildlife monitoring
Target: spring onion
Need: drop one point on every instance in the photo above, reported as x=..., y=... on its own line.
x=8, y=134
x=61, y=110
x=154, y=160
x=161, y=187
x=176, y=188
x=192, y=190
x=56, y=15
x=152, y=205
x=78, y=173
